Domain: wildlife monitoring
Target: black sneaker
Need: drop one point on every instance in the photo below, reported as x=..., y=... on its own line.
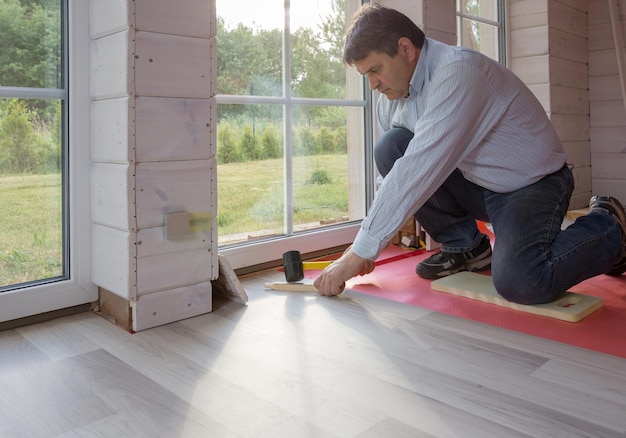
x=448, y=263
x=615, y=208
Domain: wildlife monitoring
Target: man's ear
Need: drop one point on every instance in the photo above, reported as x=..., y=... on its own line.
x=406, y=48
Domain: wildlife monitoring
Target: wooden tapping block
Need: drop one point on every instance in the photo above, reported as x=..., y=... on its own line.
x=291, y=287
x=570, y=306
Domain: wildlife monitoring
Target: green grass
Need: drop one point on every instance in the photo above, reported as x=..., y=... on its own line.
x=250, y=198
x=251, y=194
x=30, y=228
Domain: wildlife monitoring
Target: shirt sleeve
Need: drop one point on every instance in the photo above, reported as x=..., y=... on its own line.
x=460, y=109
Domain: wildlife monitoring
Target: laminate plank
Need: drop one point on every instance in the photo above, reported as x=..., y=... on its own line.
x=391, y=427
x=45, y=399
x=58, y=339
x=515, y=402
x=203, y=389
x=143, y=406
x=300, y=365
x=602, y=384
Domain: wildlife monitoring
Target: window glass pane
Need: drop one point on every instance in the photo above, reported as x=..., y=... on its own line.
x=32, y=243
x=250, y=47
x=481, y=37
x=31, y=217
x=320, y=168
x=317, y=30
x=30, y=44
x=287, y=166
x=250, y=172
x=487, y=9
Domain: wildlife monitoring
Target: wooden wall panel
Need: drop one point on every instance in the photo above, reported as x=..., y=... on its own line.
x=184, y=17
x=172, y=66
x=542, y=92
x=112, y=195
x=571, y=127
x=608, y=112
x=167, y=264
x=568, y=73
x=601, y=36
x=173, y=305
x=113, y=261
x=599, y=11
x=153, y=152
x=532, y=70
x=108, y=16
x=608, y=116
x=415, y=10
x=110, y=66
x=528, y=7
x=580, y=5
x=172, y=186
x=608, y=139
x=440, y=20
x=578, y=153
x=582, y=188
x=172, y=129
x=568, y=46
x=609, y=166
x=602, y=88
x=566, y=17
x=532, y=41
x=569, y=100
x=111, y=130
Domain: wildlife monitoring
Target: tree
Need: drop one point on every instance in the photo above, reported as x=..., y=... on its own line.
x=30, y=47
x=17, y=141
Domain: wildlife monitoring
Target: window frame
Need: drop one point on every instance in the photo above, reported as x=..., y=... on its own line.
x=500, y=24
x=257, y=253
x=77, y=289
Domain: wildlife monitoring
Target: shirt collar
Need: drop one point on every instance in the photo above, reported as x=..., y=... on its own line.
x=418, y=80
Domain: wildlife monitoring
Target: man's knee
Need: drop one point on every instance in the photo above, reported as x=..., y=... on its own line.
x=391, y=146
x=518, y=286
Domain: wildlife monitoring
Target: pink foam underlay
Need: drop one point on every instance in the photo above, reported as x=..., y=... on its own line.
x=603, y=331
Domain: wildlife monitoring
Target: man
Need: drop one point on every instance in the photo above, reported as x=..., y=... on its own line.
x=465, y=139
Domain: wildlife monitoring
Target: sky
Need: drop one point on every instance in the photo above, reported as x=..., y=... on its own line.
x=269, y=14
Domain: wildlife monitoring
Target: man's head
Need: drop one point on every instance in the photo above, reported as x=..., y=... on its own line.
x=383, y=45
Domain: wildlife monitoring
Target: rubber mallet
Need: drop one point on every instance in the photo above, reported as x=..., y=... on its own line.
x=294, y=267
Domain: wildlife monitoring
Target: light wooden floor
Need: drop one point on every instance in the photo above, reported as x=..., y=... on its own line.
x=297, y=365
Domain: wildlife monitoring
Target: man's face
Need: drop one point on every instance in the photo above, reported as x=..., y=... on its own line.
x=388, y=75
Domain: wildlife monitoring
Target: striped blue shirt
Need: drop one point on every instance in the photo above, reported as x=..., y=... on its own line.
x=467, y=112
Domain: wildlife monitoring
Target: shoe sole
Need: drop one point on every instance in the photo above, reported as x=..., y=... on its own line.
x=610, y=203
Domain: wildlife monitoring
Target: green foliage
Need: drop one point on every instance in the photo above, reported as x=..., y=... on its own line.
x=309, y=144
x=18, y=143
x=250, y=62
x=320, y=176
x=30, y=47
x=247, y=205
x=248, y=144
x=326, y=140
x=23, y=149
x=227, y=150
x=237, y=143
x=270, y=143
x=31, y=228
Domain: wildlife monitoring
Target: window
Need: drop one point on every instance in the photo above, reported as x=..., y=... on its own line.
x=480, y=26
x=291, y=132
x=44, y=157
x=33, y=109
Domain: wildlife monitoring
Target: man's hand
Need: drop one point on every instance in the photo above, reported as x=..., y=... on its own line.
x=332, y=280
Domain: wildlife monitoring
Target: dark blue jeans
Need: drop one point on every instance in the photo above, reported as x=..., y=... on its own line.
x=534, y=260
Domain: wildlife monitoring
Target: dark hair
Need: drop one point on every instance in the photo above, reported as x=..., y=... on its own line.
x=376, y=28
